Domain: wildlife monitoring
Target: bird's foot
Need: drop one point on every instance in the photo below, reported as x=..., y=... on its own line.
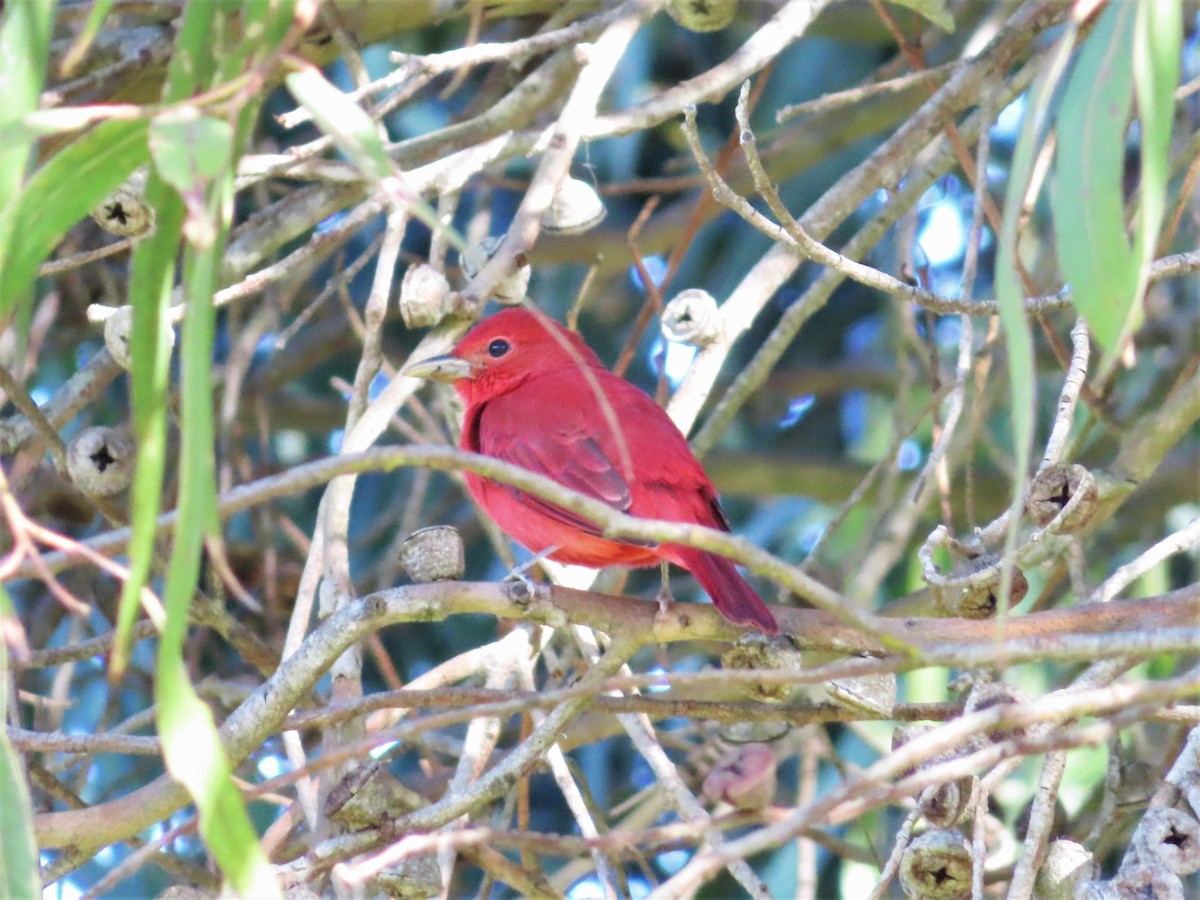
x=520, y=574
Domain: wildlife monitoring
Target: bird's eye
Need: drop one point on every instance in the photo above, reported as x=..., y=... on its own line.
x=497, y=348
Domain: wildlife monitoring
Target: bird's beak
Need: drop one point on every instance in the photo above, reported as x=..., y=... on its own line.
x=440, y=368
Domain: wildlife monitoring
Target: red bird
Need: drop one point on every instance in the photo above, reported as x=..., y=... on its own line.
x=538, y=397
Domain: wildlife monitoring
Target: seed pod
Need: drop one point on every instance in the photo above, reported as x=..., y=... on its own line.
x=118, y=334
x=125, y=211
x=691, y=317
x=100, y=461
x=702, y=15
x=510, y=289
x=424, y=296
x=576, y=208
x=433, y=554
x=987, y=694
x=1170, y=838
x=1068, y=865
x=744, y=777
x=972, y=589
x=870, y=693
x=757, y=651
x=951, y=802
x=1135, y=883
x=1062, y=498
x=752, y=732
x=414, y=877
x=936, y=866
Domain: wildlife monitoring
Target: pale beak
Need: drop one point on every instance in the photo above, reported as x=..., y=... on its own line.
x=440, y=368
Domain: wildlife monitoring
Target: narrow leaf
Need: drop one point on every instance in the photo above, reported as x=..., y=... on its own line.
x=357, y=136
x=87, y=34
x=1022, y=370
x=342, y=119
x=152, y=277
x=25, y=30
x=60, y=193
x=18, y=850
x=1096, y=255
x=197, y=155
x=191, y=746
x=151, y=280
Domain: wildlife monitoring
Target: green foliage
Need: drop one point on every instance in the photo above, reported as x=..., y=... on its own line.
x=1107, y=270
x=18, y=851
x=59, y=194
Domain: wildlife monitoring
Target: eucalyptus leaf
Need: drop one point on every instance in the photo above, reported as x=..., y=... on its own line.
x=1095, y=252
x=18, y=850
x=60, y=193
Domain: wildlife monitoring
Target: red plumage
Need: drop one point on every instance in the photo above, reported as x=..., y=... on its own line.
x=538, y=397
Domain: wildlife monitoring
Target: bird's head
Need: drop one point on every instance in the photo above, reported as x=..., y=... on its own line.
x=502, y=351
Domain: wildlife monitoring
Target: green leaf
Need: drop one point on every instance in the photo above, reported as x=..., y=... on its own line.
x=1157, y=48
x=197, y=156
x=191, y=746
x=18, y=850
x=189, y=149
x=151, y=281
x=60, y=193
x=87, y=34
x=933, y=10
x=25, y=30
x=355, y=134
x=1095, y=253
x=1022, y=368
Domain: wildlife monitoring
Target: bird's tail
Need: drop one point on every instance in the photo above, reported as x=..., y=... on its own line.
x=733, y=597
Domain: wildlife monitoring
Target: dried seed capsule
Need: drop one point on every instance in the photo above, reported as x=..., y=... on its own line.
x=951, y=802
x=125, y=211
x=973, y=588
x=936, y=866
x=424, y=296
x=996, y=693
x=1135, y=883
x=1068, y=865
x=871, y=693
x=433, y=554
x=757, y=651
x=1170, y=838
x=702, y=15
x=118, y=334
x=1062, y=498
x=416, y=876
x=576, y=208
x=744, y=777
x=511, y=288
x=691, y=317
x=100, y=461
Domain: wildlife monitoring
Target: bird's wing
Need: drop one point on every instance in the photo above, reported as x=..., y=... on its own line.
x=559, y=448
